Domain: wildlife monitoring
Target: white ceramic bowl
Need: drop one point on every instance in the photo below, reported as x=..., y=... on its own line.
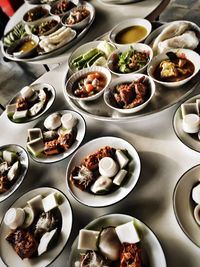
x=29, y=28
x=92, y=146
x=68, y=87
x=128, y=23
x=82, y=24
x=81, y=50
x=61, y=14
x=12, y=49
x=124, y=79
x=187, y=53
x=139, y=47
x=45, y=8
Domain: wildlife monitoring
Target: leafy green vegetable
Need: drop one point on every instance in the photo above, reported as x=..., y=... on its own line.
x=15, y=34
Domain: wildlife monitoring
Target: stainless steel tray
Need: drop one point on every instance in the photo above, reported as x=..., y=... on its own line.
x=57, y=51
x=164, y=97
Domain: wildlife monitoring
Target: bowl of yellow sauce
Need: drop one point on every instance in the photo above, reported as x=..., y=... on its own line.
x=24, y=47
x=130, y=31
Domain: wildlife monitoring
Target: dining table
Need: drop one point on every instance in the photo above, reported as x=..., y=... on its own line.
x=164, y=158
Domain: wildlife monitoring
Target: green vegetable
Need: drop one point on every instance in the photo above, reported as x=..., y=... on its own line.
x=15, y=34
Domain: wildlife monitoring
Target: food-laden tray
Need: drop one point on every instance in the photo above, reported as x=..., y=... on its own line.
x=163, y=98
x=45, y=55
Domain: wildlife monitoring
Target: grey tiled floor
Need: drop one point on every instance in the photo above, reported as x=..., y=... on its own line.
x=14, y=76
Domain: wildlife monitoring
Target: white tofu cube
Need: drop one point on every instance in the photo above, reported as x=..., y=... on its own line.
x=87, y=239
x=120, y=177
x=49, y=202
x=127, y=233
x=34, y=133
x=36, y=204
x=121, y=158
x=20, y=114
x=10, y=109
x=36, y=146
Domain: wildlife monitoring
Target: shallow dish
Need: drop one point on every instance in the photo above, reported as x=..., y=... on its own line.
x=81, y=24
x=9, y=256
x=86, y=48
x=190, y=140
x=39, y=2
x=109, y=92
x=61, y=7
x=94, y=200
x=34, y=29
x=192, y=56
x=24, y=162
x=153, y=35
x=184, y=205
x=43, y=11
x=36, y=87
x=150, y=245
x=126, y=24
x=113, y=60
x=68, y=87
x=80, y=134
x=12, y=50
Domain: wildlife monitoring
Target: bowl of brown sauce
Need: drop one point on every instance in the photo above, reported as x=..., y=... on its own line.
x=130, y=31
x=175, y=67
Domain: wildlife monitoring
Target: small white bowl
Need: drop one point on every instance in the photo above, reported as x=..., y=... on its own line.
x=139, y=47
x=12, y=49
x=68, y=87
x=55, y=5
x=46, y=9
x=187, y=53
x=29, y=28
x=82, y=24
x=128, y=23
x=124, y=79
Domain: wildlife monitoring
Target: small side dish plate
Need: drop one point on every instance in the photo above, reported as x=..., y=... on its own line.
x=149, y=242
x=24, y=163
x=10, y=257
x=36, y=87
x=134, y=169
x=190, y=140
x=80, y=134
x=184, y=205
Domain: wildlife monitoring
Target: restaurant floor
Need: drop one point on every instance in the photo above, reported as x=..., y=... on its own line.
x=14, y=76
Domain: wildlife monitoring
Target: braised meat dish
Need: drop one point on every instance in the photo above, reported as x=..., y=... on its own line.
x=131, y=94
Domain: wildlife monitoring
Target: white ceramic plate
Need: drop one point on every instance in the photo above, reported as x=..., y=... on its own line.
x=134, y=168
x=23, y=158
x=81, y=128
x=149, y=242
x=10, y=257
x=190, y=140
x=184, y=205
x=36, y=87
